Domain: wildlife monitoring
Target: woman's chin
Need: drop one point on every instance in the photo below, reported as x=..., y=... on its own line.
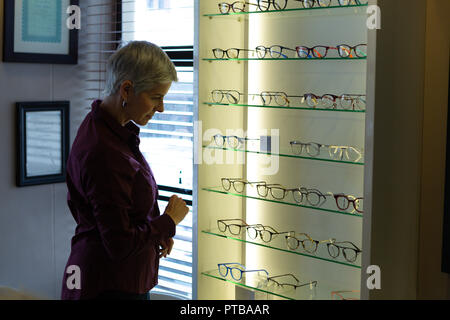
x=144, y=121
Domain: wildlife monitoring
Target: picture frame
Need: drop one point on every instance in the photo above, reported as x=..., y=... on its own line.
x=37, y=32
x=42, y=142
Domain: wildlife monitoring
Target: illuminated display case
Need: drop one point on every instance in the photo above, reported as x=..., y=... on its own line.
x=276, y=163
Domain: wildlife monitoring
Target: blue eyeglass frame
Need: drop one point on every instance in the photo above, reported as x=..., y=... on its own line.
x=241, y=271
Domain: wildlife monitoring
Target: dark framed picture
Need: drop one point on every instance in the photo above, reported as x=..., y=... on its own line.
x=40, y=31
x=42, y=142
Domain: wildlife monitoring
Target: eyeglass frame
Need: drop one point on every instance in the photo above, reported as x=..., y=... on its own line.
x=272, y=186
x=226, y=52
x=241, y=141
x=273, y=94
x=225, y=93
x=307, y=191
x=295, y=286
x=273, y=3
x=302, y=144
x=245, y=181
x=353, y=201
x=231, y=6
x=308, y=238
x=345, y=148
x=258, y=48
x=245, y=225
x=340, y=248
x=272, y=234
x=241, y=271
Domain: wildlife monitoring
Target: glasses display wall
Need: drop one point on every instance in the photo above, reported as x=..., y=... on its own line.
x=284, y=222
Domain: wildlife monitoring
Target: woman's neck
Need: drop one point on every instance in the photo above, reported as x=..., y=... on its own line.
x=112, y=105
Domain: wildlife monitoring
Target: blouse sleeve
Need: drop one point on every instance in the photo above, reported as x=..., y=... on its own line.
x=108, y=185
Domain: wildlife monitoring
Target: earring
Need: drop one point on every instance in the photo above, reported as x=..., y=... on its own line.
x=124, y=104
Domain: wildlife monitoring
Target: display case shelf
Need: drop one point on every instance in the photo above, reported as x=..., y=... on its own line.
x=285, y=10
x=286, y=59
x=221, y=191
x=285, y=154
x=276, y=244
x=281, y=107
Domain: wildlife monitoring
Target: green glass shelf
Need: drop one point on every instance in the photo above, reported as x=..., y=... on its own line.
x=284, y=59
x=221, y=191
x=280, y=244
x=285, y=10
x=281, y=107
x=285, y=154
x=258, y=284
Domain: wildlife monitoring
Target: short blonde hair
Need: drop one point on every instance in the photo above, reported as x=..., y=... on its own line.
x=143, y=63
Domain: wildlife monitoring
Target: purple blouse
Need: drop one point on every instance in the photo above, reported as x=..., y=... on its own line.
x=112, y=196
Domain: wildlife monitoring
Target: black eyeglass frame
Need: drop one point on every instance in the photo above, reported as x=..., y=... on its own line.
x=341, y=248
x=225, y=52
x=270, y=49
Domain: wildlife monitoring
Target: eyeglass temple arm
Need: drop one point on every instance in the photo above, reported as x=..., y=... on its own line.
x=256, y=270
x=349, y=242
x=283, y=275
x=308, y=283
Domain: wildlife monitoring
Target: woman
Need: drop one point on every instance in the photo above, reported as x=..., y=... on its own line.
x=112, y=194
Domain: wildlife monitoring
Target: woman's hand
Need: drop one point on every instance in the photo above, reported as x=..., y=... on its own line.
x=165, y=247
x=176, y=209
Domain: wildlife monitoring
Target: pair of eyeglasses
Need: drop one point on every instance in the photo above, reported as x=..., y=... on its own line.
x=276, y=190
x=343, y=202
x=350, y=251
x=312, y=196
x=344, y=51
x=237, y=6
x=341, y=295
x=238, y=184
x=308, y=244
x=234, y=226
x=347, y=153
x=275, y=51
x=331, y=101
x=236, y=270
x=311, y=148
x=231, y=53
x=278, y=97
x=266, y=233
x=233, y=96
x=285, y=285
x=232, y=141
x=264, y=5
x=327, y=3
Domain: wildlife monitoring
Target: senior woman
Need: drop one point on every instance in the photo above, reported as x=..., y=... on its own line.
x=112, y=194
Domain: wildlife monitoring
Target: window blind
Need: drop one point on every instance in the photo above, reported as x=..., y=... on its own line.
x=167, y=141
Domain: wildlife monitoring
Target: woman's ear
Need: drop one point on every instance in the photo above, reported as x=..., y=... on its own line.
x=126, y=90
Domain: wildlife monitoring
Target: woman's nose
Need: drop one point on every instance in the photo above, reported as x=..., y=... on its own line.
x=160, y=107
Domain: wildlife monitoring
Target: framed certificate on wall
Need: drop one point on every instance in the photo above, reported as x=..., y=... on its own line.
x=40, y=31
x=42, y=142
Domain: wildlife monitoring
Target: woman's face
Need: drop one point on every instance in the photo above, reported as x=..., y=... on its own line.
x=143, y=106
